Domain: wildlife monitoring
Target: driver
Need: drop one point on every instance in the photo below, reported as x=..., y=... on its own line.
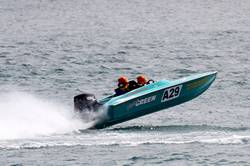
x=123, y=86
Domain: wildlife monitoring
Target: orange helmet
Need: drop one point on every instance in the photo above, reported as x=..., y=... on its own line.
x=142, y=80
x=123, y=80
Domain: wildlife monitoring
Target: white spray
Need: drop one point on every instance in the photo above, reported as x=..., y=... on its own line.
x=25, y=116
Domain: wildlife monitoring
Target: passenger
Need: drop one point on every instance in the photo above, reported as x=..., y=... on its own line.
x=142, y=80
x=123, y=86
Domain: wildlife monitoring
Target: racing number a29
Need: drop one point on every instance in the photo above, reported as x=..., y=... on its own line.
x=171, y=93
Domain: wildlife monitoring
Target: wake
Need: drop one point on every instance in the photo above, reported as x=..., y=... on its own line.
x=25, y=116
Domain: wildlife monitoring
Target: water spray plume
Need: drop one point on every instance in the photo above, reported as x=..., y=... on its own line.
x=25, y=116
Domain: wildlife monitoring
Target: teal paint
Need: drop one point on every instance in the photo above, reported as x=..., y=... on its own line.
x=154, y=97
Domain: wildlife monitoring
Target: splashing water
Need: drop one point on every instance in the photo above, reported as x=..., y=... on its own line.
x=25, y=116
x=93, y=117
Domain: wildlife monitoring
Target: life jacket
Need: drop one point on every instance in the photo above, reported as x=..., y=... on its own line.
x=133, y=85
x=122, y=89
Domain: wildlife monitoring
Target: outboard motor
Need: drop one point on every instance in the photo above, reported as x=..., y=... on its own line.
x=85, y=102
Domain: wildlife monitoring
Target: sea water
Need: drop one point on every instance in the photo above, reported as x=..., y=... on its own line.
x=52, y=50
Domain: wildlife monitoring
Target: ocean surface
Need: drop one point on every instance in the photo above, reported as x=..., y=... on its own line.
x=52, y=50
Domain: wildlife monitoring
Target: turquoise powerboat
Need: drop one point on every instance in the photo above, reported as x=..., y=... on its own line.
x=144, y=100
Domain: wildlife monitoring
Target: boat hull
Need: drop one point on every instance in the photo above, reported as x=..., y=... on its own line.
x=154, y=97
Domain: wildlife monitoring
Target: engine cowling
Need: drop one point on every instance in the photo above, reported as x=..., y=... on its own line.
x=85, y=102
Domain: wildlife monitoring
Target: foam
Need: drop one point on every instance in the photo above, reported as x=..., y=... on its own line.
x=24, y=115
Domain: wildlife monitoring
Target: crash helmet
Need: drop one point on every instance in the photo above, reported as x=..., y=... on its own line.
x=123, y=80
x=142, y=80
